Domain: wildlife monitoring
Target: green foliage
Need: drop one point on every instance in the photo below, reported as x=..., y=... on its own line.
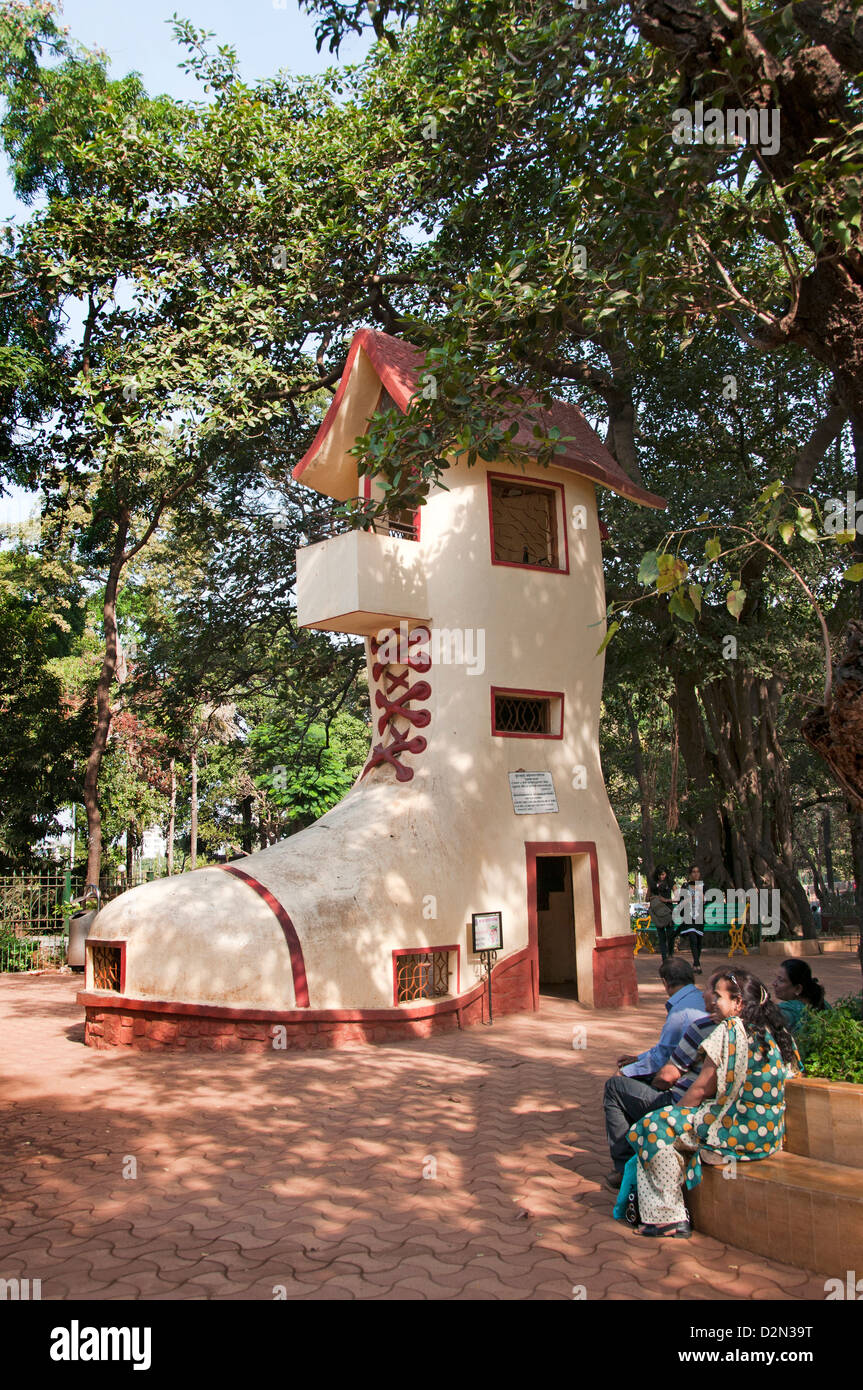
x=41, y=738
x=851, y=1004
x=16, y=953
x=497, y=184
x=831, y=1042
x=306, y=776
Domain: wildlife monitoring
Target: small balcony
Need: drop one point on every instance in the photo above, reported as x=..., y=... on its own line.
x=360, y=582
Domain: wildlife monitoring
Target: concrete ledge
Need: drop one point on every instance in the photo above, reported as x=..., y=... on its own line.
x=814, y=946
x=824, y=1120
x=799, y=1211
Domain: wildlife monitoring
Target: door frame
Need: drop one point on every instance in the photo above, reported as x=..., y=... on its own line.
x=538, y=849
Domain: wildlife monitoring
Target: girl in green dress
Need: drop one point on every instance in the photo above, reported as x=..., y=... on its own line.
x=735, y=1107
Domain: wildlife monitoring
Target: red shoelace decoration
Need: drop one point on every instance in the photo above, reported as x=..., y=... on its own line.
x=396, y=706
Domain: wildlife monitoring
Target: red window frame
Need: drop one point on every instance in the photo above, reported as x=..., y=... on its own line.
x=560, y=517
x=528, y=695
x=99, y=941
x=424, y=951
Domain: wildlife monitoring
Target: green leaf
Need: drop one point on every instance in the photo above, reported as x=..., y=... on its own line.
x=770, y=491
x=786, y=531
x=735, y=600
x=680, y=605
x=613, y=627
x=713, y=548
x=648, y=570
x=695, y=595
x=854, y=574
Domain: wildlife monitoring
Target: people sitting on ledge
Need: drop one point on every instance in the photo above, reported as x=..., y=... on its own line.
x=734, y=1110
x=795, y=990
x=633, y=1091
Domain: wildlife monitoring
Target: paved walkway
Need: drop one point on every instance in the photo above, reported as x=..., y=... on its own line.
x=465, y=1167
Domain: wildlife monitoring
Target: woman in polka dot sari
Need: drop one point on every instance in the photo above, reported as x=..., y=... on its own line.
x=735, y=1108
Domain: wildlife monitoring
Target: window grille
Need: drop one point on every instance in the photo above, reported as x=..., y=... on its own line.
x=106, y=967
x=422, y=975
x=524, y=520
x=518, y=714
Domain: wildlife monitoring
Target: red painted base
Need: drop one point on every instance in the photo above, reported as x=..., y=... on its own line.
x=149, y=1024
x=614, y=982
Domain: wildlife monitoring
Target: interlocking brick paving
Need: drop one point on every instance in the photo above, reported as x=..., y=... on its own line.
x=304, y=1172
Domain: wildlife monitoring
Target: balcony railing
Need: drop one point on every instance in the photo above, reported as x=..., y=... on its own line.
x=334, y=522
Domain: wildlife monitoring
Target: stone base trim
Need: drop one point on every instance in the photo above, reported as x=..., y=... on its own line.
x=148, y=1023
x=614, y=981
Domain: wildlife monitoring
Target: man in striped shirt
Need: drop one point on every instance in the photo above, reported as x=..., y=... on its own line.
x=627, y=1098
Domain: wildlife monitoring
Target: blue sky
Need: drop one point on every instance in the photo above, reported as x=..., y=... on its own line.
x=137, y=38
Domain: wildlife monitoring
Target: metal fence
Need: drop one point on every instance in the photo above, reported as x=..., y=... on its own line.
x=34, y=912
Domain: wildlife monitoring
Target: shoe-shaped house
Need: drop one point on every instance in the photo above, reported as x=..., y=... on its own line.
x=482, y=794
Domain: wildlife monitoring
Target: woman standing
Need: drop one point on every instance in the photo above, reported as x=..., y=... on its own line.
x=690, y=915
x=661, y=904
x=735, y=1107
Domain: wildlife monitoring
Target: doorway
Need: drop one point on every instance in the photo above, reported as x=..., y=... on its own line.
x=555, y=916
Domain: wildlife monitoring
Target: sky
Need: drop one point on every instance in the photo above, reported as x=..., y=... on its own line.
x=138, y=38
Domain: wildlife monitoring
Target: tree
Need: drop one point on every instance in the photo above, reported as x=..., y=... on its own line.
x=41, y=733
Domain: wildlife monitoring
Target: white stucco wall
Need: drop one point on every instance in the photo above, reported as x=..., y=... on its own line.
x=367, y=877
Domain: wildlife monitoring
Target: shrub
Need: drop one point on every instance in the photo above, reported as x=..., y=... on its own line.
x=16, y=953
x=851, y=1004
x=831, y=1042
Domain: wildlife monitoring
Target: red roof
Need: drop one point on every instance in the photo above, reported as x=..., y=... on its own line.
x=399, y=366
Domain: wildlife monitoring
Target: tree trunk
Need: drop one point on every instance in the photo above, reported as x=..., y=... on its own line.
x=246, y=810
x=708, y=829
x=193, y=848
x=855, y=826
x=103, y=705
x=643, y=788
x=827, y=836
x=130, y=853
x=172, y=819
x=737, y=763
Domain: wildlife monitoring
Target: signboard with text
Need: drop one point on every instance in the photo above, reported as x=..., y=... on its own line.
x=532, y=793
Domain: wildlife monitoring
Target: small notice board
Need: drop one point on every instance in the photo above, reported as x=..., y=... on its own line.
x=487, y=931
x=532, y=793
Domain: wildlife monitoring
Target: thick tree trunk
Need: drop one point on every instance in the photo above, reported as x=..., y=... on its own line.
x=737, y=762
x=172, y=819
x=130, y=853
x=103, y=705
x=193, y=849
x=709, y=831
x=644, y=788
x=855, y=827
x=808, y=87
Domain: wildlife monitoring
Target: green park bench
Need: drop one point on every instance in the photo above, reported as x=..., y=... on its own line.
x=717, y=918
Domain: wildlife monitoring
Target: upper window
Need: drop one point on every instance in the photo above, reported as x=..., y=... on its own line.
x=526, y=713
x=526, y=524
